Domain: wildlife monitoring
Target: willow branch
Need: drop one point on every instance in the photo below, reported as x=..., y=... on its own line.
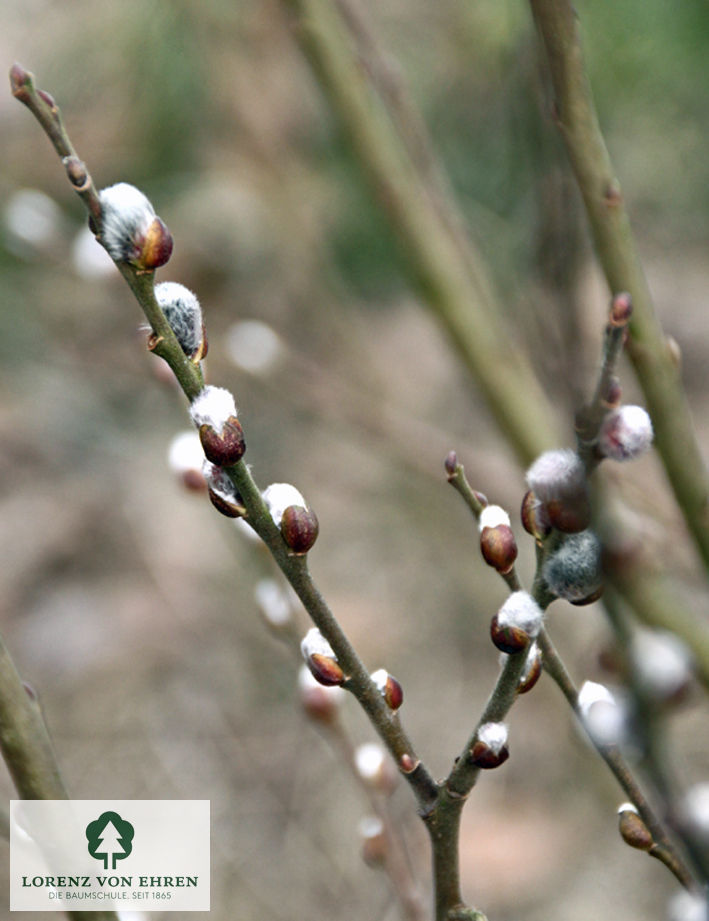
x=654, y=364
x=454, y=283
x=294, y=567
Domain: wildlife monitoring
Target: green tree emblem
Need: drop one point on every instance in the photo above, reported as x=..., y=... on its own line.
x=110, y=839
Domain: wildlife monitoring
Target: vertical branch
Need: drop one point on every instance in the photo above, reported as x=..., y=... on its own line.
x=654, y=364
x=453, y=279
x=28, y=751
x=25, y=742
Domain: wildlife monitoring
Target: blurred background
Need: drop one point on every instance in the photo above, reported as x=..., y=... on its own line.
x=128, y=603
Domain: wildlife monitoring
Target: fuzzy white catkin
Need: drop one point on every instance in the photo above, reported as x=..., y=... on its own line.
x=520, y=610
x=627, y=807
x=280, y=496
x=556, y=474
x=380, y=678
x=494, y=735
x=492, y=516
x=314, y=643
x=213, y=406
x=126, y=215
x=573, y=571
x=182, y=312
x=625, y=434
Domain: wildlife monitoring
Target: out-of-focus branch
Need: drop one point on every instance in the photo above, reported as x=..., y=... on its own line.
x=452, y=277
x=663, y=849
x=28, y=751
x=652, y=358
x=25, y=743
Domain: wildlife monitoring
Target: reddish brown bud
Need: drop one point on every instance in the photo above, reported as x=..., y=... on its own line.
x=508, y=638
x=76, y=171
x=390, y=688
x=156, y=248
x=633, y=829
x=299, y=527
x=393, y=693
x=483, y=757
x=535, y=520
x=490, y=747
x=451, y=463
x=325, y=669
x=621, y=309
x=499, y=548
x=20, y=79
x=223, y=505
x=407, y=764
x=481, y=497
x=570, y=514
x=532, y=671
x=226, y=448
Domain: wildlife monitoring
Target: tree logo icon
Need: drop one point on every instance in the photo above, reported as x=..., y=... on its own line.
x=110, y=839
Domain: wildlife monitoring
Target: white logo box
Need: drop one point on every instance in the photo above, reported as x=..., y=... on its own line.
x=92, y=855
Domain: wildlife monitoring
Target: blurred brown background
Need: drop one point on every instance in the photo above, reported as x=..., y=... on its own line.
x=128, y=603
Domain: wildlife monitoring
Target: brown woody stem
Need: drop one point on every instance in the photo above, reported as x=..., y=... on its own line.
x=294, y=567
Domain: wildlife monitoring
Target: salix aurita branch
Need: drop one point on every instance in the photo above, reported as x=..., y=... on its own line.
x=556, y=511
x=125, y=224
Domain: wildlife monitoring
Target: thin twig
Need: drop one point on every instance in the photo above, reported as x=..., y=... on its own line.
x=294, y=567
